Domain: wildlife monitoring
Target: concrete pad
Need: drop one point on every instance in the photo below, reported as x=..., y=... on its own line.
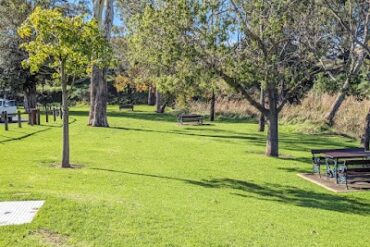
x=18, y=213
x=330, y=184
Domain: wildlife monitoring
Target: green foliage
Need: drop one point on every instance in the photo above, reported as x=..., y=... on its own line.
x=188, y=40
x=157, y=44
x=12, y=75
x=324, y=84
x=59, y=41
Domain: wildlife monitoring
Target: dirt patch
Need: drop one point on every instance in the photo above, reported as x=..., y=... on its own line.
x=52, y=164
x=51, y=238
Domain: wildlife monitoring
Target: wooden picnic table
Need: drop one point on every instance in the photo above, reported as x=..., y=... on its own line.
x=335, y=158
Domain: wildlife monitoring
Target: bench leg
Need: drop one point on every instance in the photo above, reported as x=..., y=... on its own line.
x=316, y=166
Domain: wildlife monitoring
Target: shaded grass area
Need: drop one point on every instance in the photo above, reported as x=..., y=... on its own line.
x=148, y=181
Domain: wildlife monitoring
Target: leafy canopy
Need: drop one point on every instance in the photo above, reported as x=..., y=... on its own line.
x=60, y=42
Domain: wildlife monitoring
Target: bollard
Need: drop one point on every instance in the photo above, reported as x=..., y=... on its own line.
x=19, y=119
x=54, y=114
x=60, y=113
x=46, y=114
x=5, y=117
x=38, y=117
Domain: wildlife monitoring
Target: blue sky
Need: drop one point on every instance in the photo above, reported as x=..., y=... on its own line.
x=117, y=19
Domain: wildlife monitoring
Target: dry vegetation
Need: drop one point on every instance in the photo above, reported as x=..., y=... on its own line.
x=309, y=115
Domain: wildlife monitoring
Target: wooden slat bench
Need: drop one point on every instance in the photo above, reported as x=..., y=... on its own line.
x=190, y=118
x=126, y=106
x=356, y=171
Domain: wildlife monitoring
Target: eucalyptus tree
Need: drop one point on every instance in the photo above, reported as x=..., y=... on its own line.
x=69, y=46
x=349, y=22
x=98, y=85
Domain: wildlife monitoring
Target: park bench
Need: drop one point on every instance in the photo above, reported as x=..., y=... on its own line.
x=190, y=118
x=318, y=159
x=126, y=106
x=356, y=170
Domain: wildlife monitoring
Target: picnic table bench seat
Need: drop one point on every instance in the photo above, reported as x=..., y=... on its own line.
x=355, y=171
x=126, y=106
x=190, y=118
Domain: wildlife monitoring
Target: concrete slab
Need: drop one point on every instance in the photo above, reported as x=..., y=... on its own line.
x=18, y=213
x=329, y=183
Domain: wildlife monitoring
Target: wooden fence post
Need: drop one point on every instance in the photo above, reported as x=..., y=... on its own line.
x=38, y=117
x=46, y=114
x=19, y=119
x=30, y=118
x=54, y=114
x=5, y=117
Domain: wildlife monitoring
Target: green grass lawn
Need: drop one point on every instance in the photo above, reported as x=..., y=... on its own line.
x=147, y=181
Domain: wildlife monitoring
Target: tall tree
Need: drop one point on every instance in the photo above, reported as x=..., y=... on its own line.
x=350, y=40
x=98, y=85
x=249, y=44
x=69, y=46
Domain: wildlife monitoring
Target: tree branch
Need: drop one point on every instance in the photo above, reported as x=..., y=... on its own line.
x=237, y=86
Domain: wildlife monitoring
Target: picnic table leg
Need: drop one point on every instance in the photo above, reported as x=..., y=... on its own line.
x=327, y=167
x=335, y=171
x=330, y=171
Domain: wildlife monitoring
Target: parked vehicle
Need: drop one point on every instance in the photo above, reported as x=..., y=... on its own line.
x=10, y=106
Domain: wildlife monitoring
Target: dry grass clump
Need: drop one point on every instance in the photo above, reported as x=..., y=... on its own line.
x=310, y=113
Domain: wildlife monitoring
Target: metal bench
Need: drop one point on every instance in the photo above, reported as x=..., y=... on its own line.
x=358, y=170
x=190, y=118
x=126, y=106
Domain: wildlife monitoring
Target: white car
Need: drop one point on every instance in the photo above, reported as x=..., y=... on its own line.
x=10, y=106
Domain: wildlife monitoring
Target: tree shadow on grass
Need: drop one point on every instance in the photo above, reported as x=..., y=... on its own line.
x=251, y=138
x=24, y=136
x=288, y=141
x=292, y=142
x=291, y=195
x=148, y=116
x=273, y=192
x=295, y=169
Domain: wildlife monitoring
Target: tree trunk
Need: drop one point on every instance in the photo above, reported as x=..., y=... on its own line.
x=93, y=89
x=98, y=108
x=354, y=70
x=272, y=145
x=163, y=107
x=212, y=114
x=151, y=96
x=65, y=155
x=261, y=122
x=98, y=85
x=334, y=108
x=30, y=95
x=158, y=101
x=366, y=137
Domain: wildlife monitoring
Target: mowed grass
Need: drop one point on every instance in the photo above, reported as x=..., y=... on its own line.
x=147, y=181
